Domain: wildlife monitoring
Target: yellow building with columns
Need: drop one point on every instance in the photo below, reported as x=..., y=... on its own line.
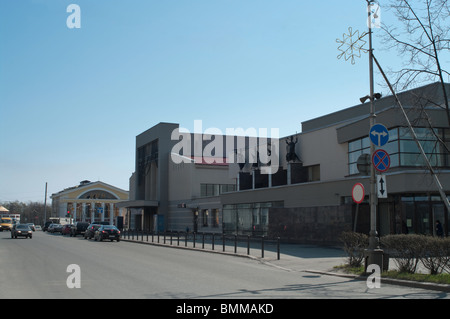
x=89, y=202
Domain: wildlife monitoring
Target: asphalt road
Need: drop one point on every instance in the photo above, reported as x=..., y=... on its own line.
x=38, y=268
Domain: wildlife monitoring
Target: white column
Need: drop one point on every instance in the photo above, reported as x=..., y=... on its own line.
x=83, y=212
x=74, y=204
x=92, y=212
x=103, y=212
x=111, y=213
x=66, y=205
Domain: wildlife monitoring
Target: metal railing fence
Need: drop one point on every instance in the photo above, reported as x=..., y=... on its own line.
x=214, y=241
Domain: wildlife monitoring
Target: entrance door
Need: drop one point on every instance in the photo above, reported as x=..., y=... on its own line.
x=385, y=219
x=423, y=218
x=438, y=214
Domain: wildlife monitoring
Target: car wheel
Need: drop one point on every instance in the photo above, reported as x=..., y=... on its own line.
x=118, y=239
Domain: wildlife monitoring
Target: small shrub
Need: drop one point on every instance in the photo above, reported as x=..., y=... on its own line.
x=435, y=254
x=408, y=250
x=404, y=249
x=354, y=246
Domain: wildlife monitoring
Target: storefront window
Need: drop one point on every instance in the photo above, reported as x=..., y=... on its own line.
x=215, y=218
x=207, y=190
x=252, y=219
x=420, y=213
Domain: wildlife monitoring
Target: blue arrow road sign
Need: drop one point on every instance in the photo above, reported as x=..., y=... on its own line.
x=379, y=135
x=381, y=160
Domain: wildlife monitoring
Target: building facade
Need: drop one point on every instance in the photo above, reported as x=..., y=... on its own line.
x=89, y=202
x=312, y=200
x=308, y=196
x=176, y=190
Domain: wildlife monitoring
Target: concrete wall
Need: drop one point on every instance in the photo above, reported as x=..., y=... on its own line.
x=310, y=225
x=321, y=147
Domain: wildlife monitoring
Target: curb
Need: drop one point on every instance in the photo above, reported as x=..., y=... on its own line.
x=391, y=281
x=193, y=249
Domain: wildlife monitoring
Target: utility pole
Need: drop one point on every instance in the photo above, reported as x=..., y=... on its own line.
x=374, y=254
x=351, y=46
x=45, y=204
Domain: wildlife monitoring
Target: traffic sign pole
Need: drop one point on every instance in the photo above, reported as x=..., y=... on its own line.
x=373, y=253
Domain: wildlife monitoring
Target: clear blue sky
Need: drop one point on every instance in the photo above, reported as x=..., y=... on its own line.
x=73, y=100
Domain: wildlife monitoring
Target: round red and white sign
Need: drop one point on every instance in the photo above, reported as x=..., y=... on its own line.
x=358, y=193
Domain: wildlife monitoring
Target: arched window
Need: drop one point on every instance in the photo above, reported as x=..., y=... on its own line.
x=98, y=194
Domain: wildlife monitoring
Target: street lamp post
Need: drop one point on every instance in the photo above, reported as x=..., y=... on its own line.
x=374, y=254
x=351, y=46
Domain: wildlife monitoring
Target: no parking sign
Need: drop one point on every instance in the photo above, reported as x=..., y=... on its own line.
x=358, y=193
x=381, y=160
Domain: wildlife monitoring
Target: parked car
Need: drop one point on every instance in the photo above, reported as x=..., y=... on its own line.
x=46, y=225
x=54, y=228
x=49, y=228
x=90, y=231
x=33, y=228
x=21, y=230
x=78, y=228
x=107, y=232
x=65, y=230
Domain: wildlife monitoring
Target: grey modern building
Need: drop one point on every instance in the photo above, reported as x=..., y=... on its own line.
x=308, y=196
x=177, y=188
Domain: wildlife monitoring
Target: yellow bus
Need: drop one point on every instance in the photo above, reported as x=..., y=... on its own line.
x=6, y=223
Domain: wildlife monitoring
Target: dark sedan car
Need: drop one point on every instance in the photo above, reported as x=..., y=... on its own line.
x=107, y=232
x=90, y=231
x=22, y=230
x=78, y=228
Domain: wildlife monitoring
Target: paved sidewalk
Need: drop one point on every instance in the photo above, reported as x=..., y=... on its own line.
x=295, y=257
x=308, y=258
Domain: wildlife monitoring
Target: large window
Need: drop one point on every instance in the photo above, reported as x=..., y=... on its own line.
x=403, y=150
x=207, y=190
x=251, y=218
x=146, y=156
x=429, y=140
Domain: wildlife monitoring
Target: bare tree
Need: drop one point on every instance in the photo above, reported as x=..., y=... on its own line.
x=423, y=40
